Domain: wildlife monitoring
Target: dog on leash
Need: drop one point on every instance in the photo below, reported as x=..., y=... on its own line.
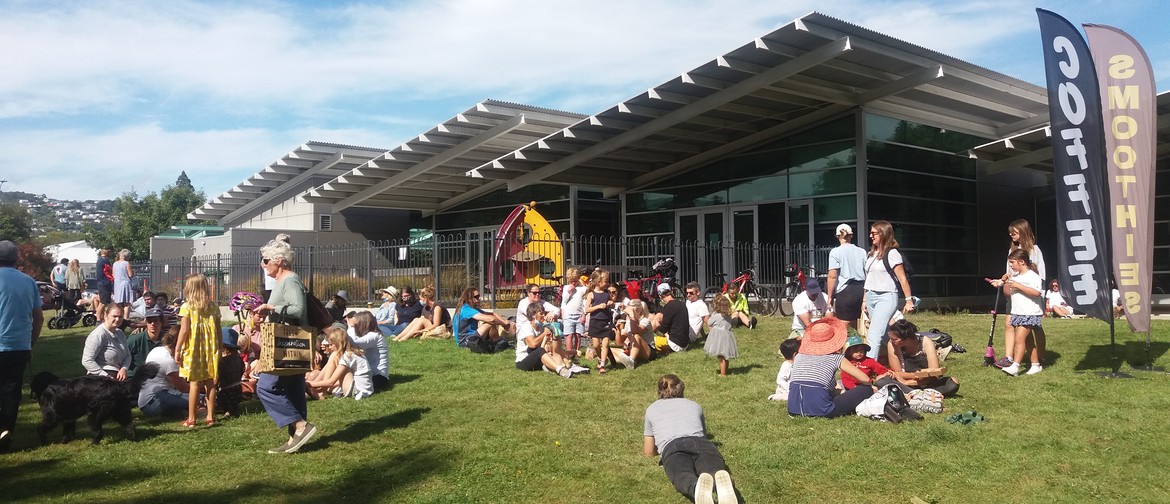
x=64, y=401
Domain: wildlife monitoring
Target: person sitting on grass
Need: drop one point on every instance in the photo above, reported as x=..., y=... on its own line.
x=675, y=429
x=1056, y=305
x=229, y=390
x=808, y=307
x=856, y=351
x=741, y=314
x=914, y=361
x=345, y=374
x=531, y=338
x=634, y=333
x=385, y=314
x=164, y=395
x=435, y=321
x=814, y=370
x=475, y=327
x=788, y=349
x=365, y=336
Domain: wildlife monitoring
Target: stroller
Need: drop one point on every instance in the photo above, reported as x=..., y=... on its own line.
x=68, y=313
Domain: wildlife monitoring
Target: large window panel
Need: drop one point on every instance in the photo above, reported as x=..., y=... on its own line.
x=900, y=208
x=763, y=189
x=700, y=196
x=835, y=210
x=648, y=201
x=802, y=185
x=907, y=132
x=922, y=185
x=657, y=222
x=912, y=159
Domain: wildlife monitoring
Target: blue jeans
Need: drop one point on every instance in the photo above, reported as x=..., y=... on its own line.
x=283, y=398
x=881, y=306
x=392, y=330
x=170, y=403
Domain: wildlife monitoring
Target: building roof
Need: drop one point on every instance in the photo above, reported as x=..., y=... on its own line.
x=279, y=181
x=426, y=172
x=808, y=71
x=1033, y=148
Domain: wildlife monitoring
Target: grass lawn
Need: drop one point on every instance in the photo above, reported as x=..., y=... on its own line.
x=465, y=428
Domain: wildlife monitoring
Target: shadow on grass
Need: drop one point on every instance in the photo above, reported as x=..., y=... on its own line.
x=373, y=481
x=41, y=479
x=1132, y=353
x=397, y=379
x=743, y=369
x=366, y=428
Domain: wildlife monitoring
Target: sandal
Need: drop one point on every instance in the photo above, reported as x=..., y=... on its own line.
x=187, y=423
x=601, y=370
x=209, y=422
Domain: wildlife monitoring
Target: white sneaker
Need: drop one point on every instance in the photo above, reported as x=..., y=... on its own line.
x=626, y=361
x=1035, y=369
x=703, y=489
x=565, y=372
x=575, y=369
x=1013, y=369
x=724, y=489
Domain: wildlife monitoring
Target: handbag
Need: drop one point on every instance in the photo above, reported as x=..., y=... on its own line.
x=286, y=349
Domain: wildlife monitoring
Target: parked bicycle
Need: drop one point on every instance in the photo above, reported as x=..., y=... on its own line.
x=764, y=296
x=665, y=271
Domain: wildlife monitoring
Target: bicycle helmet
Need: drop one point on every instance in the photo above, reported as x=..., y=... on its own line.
x=244, y=301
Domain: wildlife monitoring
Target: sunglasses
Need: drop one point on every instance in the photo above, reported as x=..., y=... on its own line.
x=534, y=292
x=265, y=261
x=692, y=293
x=475, y=296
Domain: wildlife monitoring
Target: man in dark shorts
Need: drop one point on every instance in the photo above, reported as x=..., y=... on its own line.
x=846, y=281
x=672, y=320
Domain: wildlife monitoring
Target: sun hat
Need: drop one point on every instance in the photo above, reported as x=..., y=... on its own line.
x=663, y=288
x=812, y=286
x=823, y=337
x=343, y=294
x=855, y=340
x=844, y=229
x=391, y=290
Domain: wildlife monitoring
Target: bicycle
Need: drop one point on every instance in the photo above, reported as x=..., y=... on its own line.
x=795, y=285
x=664, y=272
x=764, y=295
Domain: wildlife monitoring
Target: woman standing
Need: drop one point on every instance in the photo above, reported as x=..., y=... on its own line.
x=74, y=280
x=283, y=397
x=106, y=352
x=884, y=272
x=123, y=278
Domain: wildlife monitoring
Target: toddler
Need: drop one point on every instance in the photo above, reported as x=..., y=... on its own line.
x=788, y=349
x=856, y=350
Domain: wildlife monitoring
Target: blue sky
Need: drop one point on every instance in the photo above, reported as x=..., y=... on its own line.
x=98, y=98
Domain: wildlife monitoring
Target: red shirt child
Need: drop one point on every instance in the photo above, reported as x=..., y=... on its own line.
x=855, y=352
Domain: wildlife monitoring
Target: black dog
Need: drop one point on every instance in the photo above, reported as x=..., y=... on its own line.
x=64, y=401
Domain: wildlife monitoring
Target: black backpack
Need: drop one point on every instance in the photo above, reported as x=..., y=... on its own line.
x=906, y=267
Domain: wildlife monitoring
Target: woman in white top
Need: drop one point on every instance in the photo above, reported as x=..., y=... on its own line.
x=106, y=352
x=531, y=338
x=881, y=287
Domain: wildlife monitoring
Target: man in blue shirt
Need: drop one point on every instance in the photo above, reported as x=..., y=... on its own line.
x=20, y=326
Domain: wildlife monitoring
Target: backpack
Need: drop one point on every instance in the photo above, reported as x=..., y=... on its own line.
x=897, y=406
x=940, y=339
x=316, y=315
x=906, y=267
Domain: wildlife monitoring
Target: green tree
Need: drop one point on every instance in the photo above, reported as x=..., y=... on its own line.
x=15, y=222
x=139, y=219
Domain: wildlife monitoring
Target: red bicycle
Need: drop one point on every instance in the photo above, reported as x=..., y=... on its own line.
x=664, y=272
x=766, y=298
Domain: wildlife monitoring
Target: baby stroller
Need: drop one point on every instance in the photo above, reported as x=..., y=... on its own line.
x=68, y=313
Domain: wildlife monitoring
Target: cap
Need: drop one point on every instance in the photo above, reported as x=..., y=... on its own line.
x=663, y=288
x=812, y=286
x=844, y=229
x=8, y=252
x=343, y=294
x=153, y=312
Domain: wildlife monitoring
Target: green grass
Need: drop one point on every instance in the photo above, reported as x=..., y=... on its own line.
x=464, y=428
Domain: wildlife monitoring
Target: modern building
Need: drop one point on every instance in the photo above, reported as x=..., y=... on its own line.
x=778, y=141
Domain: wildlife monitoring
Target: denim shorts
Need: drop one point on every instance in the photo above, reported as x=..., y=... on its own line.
x=573, y=325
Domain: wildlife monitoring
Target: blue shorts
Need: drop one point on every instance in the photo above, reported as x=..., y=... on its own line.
x=573, y=325
x=1025, y=321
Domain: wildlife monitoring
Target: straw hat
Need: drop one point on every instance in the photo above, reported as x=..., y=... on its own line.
x=824, y=337
x=391, y=290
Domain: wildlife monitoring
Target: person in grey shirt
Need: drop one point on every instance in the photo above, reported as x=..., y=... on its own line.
x=845, y=285
x=676, y=430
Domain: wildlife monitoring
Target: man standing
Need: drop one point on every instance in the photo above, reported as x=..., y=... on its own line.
x=59, y=274
x=846, y=282
x=20, y=326
x=142, y=342
x=672, y=320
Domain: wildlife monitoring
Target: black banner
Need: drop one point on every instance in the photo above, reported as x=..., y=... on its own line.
x=1078, y=155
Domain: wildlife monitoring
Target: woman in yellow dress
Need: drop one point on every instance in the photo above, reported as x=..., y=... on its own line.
x=198, y=345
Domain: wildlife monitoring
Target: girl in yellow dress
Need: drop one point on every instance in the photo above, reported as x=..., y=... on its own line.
x=197, y=349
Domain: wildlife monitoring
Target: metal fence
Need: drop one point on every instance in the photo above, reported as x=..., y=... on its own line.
x=453, y=262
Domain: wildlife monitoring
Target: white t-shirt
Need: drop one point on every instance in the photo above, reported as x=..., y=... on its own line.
x=1037, y=258
x=522, y=310
x=783, y=378
x=696, y=311
x=373, y=345
x=1023, y=304
x=876, y=276
x=1055, y=299
x=802, y=304
x=571, y=298
x=363, y=386
x=523, y=331
x=166, y=365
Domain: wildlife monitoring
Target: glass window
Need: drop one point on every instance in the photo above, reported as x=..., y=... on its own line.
x=896, y=130
x=646, y=201
x=699, y=196
x=658, y=222
x=822, y=182
x=900, y=208
x=911, y=159
x=761, y=189
x=835, y=210
x=921, y=185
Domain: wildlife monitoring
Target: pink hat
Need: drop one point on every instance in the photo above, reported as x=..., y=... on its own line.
x=824, y=337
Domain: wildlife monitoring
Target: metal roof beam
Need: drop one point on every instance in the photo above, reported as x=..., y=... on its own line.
x=712, y=101
x=910, y=81
x=436, y=160
x=321, y=167
x=487, y=187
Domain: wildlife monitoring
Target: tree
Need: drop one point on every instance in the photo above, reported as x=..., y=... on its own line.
x=139, y=219
x=15, y=223
x=33, y=261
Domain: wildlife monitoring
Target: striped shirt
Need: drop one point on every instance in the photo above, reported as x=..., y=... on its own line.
x=819, y=369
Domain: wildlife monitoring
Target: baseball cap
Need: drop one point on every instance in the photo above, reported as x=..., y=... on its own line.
x=153, y=312
x=663, y=288
x=812, y=286
x=8, y=251
x=844, y=229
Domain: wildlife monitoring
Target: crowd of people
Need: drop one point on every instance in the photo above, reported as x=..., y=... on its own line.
x=848, y=338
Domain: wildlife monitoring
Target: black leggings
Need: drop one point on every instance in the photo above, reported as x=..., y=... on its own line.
x=685, y=458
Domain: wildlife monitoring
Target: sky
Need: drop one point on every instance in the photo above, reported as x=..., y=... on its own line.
x=101, y=98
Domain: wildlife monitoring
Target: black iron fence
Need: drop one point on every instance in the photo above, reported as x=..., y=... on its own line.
x=451, y=263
